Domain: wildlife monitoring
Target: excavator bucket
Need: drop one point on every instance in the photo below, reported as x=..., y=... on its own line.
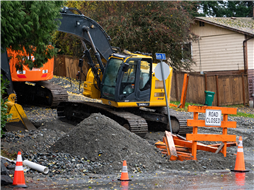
x=18, y=120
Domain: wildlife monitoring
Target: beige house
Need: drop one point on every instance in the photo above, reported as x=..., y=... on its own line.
x=225, y=45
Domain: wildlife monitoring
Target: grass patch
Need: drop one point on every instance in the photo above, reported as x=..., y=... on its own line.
x=185, y=107
x=241, y=114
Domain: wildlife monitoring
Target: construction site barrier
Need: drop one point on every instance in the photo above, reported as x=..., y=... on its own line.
x=224, y=124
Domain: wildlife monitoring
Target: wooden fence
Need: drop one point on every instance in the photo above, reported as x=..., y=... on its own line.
x=67, y=66
x=229, y=89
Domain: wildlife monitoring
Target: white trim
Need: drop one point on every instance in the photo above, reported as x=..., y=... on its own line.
x=19, y=168
x=124, y=169
x=19, y=158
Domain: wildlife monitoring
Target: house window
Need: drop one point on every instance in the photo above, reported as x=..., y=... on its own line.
x=186, y=51
x=201, y=23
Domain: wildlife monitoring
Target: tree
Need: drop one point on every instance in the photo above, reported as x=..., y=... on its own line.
x=4, y=109
x=144, y=26
x=30, y=25
x=227, y=8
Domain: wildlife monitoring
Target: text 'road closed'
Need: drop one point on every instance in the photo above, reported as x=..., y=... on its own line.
x=213, y=117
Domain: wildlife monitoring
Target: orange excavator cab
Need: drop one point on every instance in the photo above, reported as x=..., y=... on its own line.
x=36, y=74
x=31, y=85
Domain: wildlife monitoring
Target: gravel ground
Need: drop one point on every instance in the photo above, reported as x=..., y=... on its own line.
x=98, y=145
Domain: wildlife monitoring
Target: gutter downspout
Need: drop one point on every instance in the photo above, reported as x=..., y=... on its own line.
x=245, y=59
x=245, y=55
x=200, y=65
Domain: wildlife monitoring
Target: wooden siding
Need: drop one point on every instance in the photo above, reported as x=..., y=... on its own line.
x=219, y=53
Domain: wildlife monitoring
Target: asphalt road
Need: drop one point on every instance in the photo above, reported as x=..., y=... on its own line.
x=159, y=181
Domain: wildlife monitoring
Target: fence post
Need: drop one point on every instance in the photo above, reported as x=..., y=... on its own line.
x=243, y=89
x=217, y=90
x=205, y=82
x=176, y=87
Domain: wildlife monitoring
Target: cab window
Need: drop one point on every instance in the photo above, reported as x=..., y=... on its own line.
x=144, y=82
x=128, y=80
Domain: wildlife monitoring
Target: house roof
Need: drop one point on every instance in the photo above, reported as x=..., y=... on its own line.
x=244, y=25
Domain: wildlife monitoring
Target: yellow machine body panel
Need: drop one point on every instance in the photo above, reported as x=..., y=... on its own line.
x=89, y=86
x=157, y=90
x=17, y=113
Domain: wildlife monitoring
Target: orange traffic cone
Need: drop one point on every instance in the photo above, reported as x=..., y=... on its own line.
x=124, y=175
x=19, y=177
x=239, y=163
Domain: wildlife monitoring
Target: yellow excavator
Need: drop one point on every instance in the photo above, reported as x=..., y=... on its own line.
x=18, y=119
x=124, y=82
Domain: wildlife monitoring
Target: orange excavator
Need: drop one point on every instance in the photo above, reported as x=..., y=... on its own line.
x=32, y=86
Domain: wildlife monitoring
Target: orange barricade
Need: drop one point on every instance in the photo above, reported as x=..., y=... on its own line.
x=195, y=123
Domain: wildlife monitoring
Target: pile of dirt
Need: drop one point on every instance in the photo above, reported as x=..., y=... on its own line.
x=103, y=140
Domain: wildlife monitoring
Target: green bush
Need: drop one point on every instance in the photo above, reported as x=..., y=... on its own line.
x=4, y=115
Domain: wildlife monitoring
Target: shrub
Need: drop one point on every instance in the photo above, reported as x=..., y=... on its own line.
x=4, y=115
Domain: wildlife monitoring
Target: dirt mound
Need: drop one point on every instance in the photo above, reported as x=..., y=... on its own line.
x=100, y=139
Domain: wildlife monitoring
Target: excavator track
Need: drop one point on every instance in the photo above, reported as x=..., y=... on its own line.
x=178, y=123
x=41, y=93
x=134, y=120
x=77, y=111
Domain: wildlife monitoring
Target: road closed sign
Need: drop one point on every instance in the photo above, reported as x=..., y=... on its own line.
x=213, y=117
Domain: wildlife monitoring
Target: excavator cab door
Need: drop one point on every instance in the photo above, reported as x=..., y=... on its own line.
x=134, y=83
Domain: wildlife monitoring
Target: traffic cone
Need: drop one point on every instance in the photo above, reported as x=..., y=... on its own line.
x=124, y=174
x=239, y=163
x=19, y=177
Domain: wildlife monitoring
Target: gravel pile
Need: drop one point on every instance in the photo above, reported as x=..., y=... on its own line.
x=100, y=139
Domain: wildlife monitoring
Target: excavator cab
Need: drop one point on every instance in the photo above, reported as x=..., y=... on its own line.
x=18, y=120
x=127, y=79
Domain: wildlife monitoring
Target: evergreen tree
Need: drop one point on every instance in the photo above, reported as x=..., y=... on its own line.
x=29, y=25
x=4, y=108
x=227, y=8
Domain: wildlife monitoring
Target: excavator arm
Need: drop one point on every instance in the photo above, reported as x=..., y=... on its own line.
x=89, y=31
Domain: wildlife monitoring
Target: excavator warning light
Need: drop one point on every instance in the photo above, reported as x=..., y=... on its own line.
x=92, y=26
x=77, y=23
